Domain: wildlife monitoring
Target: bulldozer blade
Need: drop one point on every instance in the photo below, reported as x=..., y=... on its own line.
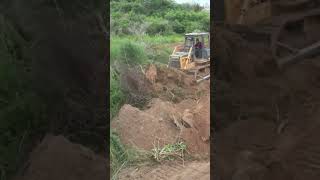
x=204, y=78
x=296, y=54
x=303, y=53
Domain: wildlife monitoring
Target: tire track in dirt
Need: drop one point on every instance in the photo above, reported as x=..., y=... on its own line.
x=169, y=171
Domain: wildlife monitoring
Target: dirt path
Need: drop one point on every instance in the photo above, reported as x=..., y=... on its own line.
x=169, y=171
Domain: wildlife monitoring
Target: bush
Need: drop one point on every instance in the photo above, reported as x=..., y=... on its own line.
x=159, y=26
x=161, y=16
x=118, y=154
x=127, y=52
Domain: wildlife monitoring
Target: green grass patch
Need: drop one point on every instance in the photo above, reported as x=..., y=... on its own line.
x=143, y=49
x=169, y=151
x=124, y=50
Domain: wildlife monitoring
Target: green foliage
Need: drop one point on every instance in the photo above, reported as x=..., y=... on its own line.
x=127, y=52
x=157, y=16
x=159, y=26
x=118, y=154
x=150, y=49
x=117, y=97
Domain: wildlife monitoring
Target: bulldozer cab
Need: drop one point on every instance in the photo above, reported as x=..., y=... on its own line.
x=192, y=57
x=184, y=55
x=204, y=39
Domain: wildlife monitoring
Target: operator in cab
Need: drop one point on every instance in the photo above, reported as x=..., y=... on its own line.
x=198, y=47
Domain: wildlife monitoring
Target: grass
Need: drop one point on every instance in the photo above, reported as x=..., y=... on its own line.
x=117, y=97
x=169, y=151
x=135, y=50
x=147, y=48
x=127, y=51
x=122, y=156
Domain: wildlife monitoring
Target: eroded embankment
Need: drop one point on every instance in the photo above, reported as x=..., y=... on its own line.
x=180, y=110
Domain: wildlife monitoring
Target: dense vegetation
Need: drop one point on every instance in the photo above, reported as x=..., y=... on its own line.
x=142, y=32
x=138, y=17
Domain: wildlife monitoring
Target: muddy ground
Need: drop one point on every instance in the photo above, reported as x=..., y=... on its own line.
x=178, y=111
x=267, y=120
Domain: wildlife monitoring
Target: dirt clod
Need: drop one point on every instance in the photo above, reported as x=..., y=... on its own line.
x=57, y=158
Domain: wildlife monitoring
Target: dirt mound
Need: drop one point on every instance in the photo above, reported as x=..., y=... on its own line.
x=180, y=110
x=174, y=85
x=165, y=122
x=267, y=120
x=57, y=158
x=141, y=129
x=169, y=171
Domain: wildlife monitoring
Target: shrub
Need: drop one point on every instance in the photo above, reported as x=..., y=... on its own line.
x=117, y=97
x=118, y=154
x=159, y=26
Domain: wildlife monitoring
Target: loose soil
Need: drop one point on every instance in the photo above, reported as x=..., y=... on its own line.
x=267, y=120
x=178, y=111
x=169, y=171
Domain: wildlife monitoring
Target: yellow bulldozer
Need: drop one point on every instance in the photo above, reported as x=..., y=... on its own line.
x=193, y=56
x=291, y=25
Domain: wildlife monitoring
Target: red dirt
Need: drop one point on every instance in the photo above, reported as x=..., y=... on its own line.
x=174, y=114
x=57, y=158
x=267, y=120
x=163, y=122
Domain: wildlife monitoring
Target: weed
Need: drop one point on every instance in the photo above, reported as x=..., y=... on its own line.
x=118, y=154
x=169, y=151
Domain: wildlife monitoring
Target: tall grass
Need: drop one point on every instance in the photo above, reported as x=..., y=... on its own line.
x=135, y=50
x=117, y=97
x=127, y=51
x=143, y=49
x=118, y=154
